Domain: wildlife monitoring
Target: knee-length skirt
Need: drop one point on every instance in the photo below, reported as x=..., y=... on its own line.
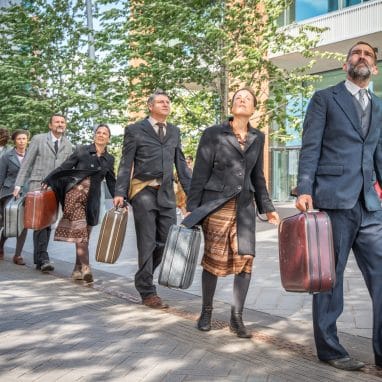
x=221, y=256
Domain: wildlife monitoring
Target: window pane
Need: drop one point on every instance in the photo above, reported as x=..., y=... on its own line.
x=348, y=3
x=305, y=9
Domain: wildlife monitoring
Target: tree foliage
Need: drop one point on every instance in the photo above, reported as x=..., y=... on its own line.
x=200, y=51
x=45, y=68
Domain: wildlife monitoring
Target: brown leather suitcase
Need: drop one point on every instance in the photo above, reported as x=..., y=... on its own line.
x=306, y=252
x=111, y=235
x=40, y=210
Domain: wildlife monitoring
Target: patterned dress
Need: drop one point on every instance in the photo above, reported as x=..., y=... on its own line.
x=73, y=226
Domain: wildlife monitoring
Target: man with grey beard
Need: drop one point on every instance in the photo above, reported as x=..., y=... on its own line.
x=340, y=161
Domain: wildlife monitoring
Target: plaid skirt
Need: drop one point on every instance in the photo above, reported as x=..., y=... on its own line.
x=73, y=226
x=221, y=257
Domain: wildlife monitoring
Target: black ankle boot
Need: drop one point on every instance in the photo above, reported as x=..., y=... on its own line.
x=204, y=322
x=237, y=326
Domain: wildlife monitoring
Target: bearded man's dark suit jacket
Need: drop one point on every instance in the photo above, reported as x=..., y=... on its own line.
x=338, y=166
x=154, y=210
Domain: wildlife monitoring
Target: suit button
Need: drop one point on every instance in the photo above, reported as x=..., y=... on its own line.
x=240, y=174
x=239, y=187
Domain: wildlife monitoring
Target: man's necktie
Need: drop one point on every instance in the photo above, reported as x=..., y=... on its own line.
x=56, y=146
x=161, y=130
x=362, y=94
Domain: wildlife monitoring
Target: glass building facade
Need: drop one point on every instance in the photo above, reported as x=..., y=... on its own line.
x=301, y=10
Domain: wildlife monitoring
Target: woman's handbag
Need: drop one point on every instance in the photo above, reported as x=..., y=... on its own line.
x=180, y=257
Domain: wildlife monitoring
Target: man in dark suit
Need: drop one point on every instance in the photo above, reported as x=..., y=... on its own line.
x=341, y=158
x=151, y=148
x=46, y=152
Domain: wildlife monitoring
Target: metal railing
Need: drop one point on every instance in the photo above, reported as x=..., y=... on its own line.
x=347, y=23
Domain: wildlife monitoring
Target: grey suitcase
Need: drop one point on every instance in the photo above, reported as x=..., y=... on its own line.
x=14, y=217
x=180, y=257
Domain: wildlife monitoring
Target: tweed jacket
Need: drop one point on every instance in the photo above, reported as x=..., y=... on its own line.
x=41, y=159
x=337, y=163
x=9, y=168
x=149, y=158
x=83, y=163
x=223, y=171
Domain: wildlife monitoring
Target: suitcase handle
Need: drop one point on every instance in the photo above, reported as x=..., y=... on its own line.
x=314, y=210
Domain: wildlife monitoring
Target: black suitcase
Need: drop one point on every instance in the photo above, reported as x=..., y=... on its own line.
x=180, y=257
x=111, y=235
x=14, y=217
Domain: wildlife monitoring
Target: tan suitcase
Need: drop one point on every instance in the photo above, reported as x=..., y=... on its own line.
x=112, y=235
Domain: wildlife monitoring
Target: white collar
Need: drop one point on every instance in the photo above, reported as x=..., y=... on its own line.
x=154, y=121
x=353, y=88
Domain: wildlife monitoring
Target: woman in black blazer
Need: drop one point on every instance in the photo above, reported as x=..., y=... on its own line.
x=9, y=167
x=227, y=181
x=77, y=184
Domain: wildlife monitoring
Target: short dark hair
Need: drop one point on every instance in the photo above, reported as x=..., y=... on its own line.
x=157, y=92
x=103, y=125
x=18, y=132
x=56, y=115
x=4, y=136
x=249, y=90
x=375, y=50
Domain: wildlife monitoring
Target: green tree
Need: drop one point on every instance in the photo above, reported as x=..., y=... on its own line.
x=45, y=68
x=200, y=51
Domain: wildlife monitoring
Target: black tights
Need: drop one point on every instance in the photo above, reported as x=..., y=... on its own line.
x=240, y=289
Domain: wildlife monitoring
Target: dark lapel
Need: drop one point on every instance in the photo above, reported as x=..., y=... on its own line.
x=147, y=128
x=376, y=114
x=230, y=137
x=252, y=135
x=13, y=158
x=345, y=101
x=170, y=129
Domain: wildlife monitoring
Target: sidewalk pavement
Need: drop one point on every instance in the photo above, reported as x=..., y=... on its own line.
x=52, y=329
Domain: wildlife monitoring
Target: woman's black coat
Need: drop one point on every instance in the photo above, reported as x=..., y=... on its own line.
x=82, y=163
x=222, y=171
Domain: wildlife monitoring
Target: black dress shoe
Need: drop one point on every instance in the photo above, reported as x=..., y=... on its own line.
x=346, y=363
x=47, y=267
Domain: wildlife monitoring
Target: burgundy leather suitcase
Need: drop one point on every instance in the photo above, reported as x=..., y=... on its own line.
x=306, y=252
x=40, y=210
x=111, y=235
